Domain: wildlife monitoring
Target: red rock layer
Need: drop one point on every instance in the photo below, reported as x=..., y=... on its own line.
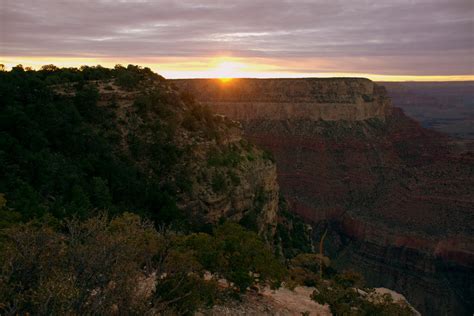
x=399, y=197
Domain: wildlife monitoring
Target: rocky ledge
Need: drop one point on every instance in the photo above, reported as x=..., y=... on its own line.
x=351, y=99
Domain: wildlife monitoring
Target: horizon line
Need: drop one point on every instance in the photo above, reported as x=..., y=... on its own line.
x=312, y=77
x=176, y=71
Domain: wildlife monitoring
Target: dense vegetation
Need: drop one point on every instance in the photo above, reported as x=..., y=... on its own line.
x=102, y=266
x=58, y=154
x=69, y=175
x=64, y=161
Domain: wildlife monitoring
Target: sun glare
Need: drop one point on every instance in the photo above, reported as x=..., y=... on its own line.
x=225, y=80
x=226, y=70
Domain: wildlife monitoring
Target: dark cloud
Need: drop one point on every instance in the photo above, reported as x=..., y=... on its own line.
x=419, y=37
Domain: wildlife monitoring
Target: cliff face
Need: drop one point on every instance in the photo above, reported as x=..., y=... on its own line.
x=218, y=174
x=281, y=99
x=398, y=200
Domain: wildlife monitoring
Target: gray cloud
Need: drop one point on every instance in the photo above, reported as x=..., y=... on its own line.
x=418, y=37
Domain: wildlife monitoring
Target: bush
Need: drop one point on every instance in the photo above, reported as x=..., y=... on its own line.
x=238, y=255
x=267, y=155
x=7, y=216
x=343, y=297
x=124, y=266
x=90, y=268
x=234, y=178
x=228, y=157
x=219, y=183
x=305, y=268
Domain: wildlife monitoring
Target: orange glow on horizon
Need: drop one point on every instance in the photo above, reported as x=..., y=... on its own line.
x=223, y=67
x=226, y=80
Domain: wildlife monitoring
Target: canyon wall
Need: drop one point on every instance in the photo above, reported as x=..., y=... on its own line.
x=219, y=175
x=397, y=199
x=282, y=99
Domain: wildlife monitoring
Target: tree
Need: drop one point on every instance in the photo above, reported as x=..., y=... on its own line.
x=8, y=217
x=49, y=68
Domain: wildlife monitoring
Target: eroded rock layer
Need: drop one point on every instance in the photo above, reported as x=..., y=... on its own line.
x=397, y=198
x=282, y=99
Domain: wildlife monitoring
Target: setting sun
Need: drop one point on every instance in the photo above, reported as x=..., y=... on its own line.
x=227, y=69
x=225, y=80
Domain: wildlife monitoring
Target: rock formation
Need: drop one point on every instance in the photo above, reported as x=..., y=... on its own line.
x=397, y=198
x=219, y=175
x=280, y=99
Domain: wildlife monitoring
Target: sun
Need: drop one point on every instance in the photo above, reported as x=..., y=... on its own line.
x=226, y=70
x=226, y=80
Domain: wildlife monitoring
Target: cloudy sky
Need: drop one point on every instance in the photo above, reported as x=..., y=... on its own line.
x=186, y=38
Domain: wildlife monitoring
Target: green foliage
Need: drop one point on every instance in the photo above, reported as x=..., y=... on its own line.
x=368, y=98
x=63, y=154
x=130, y=77
x=186, y=293
x=7, y=216
x=292, y=234
x=236, y=254
x=260, y=199
x=305, y=268
x=343, y=292
x=267, y=155
x=343, y=298
x=143, y=104
x=102, y=266
x=250, y=220
x=234, y=178
x=227, y=157
x=251, y=156
x=85, y=101
x=219, y=183
x=100, y=194
x=199, y=118
x=91, y=268
x=127, y=80
x=349, y=279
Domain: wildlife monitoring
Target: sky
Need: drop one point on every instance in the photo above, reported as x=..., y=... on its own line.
x=379, y=39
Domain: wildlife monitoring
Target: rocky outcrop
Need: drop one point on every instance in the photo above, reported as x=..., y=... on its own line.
x=397, y=199
x=218, y=174
x=243, y=190
x=286, y=302
x=269, y=302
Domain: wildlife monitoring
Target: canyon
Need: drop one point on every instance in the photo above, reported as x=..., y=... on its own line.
x=396, y=198
x=447, y=107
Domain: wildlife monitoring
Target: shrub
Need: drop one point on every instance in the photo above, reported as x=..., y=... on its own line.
x=90, y=268
x=267, y=155
x=228, y=157
x=304, y=268
x=238, y=255
x=219, y=183
x=343, y=297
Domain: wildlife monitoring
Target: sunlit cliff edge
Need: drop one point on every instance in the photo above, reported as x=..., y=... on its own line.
x=328, y=99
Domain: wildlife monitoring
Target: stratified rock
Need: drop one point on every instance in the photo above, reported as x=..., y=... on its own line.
x=398, y=199
x=283, y=99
